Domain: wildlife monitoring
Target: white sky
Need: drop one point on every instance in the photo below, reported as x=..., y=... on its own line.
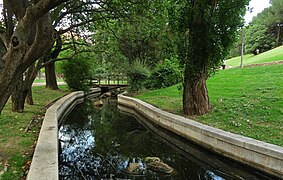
x=258, y=6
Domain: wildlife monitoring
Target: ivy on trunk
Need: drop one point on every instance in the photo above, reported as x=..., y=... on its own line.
x=206, y=30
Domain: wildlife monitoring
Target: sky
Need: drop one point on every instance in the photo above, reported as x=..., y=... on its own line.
x=258, y=6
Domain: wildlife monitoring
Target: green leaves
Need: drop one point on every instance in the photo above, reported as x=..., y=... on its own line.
x=206, y=32
x=77, y=74
x=137, y=73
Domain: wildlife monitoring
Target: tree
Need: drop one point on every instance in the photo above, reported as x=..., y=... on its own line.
x=25, y=41
x=276, y=20
x=258, y=37
x=265, y=30
x=206, y=30
x=71, y=19
x=73, y=16
x=139, y=41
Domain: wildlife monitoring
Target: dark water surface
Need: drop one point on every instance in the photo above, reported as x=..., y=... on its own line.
x=101, y=143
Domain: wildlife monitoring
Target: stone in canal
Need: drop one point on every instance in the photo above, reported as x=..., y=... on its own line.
x=133, y=167
x=98, y=103
x=151, y=159
x=159, y=166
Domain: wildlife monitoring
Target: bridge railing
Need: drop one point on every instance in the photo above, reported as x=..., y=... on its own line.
x=118, y=79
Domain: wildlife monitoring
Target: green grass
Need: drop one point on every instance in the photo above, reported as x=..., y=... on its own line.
x=16, y=145
x=275, y=54
x=246, y=101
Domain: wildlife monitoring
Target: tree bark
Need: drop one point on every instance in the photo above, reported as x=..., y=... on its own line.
x=195, y=96
x=29, y=98
x=20, y=55
x=50, y=75
x=23, y=89
x=17, y=96
x=31, y=38
x=278, y=36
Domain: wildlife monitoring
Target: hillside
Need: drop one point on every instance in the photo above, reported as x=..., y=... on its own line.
x=275, y=54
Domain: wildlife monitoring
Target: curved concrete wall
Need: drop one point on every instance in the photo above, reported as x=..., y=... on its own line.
x=263, y=156
x=45, y=159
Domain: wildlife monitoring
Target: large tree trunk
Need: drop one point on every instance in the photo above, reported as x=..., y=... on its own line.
x=23, y=90
x=30, y=77
x=196, y=47
x=32, y=37
x=29, y=98
x=195, y=96
x=17, y=97
x=50, y=75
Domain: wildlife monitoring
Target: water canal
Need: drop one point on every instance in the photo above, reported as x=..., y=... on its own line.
x=104, y=143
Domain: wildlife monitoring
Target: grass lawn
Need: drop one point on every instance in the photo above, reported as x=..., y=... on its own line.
x=275, y=54
x=247, y=101
x=16, y=145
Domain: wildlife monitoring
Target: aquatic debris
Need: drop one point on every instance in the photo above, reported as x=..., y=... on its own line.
x=133, y=167
x=98, y=103
x=152, y=159
x=159, y=166
x=105, y=95
x=155, y=164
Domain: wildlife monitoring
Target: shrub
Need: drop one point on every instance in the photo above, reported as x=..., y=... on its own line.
x=137, y=74
x=166, y=74
x=77, y=74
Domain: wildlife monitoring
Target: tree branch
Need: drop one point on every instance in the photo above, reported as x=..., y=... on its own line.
x=74, y=26
x=19, y=7
x=65, y=58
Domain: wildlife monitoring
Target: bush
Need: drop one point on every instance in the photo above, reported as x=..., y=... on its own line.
x=137, y=74
x=166, y=74
x=77, y=74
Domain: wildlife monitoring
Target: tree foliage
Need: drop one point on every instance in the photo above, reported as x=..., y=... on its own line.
x=143, y=36
x=206, y=31
x=77, y=74
x=265, y=30
x=165, y=74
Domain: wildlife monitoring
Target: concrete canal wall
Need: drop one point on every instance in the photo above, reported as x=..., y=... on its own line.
x=260, y=155
x=45, y=163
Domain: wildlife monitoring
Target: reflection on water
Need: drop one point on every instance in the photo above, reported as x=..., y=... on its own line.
x=102, y=143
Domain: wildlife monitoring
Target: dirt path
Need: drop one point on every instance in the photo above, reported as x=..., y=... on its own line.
x=260, y=64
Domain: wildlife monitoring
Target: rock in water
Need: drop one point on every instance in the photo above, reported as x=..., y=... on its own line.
x=152, y=159
x=133, y=167
x=98, y=103
x=108, y=94
x=159, y=166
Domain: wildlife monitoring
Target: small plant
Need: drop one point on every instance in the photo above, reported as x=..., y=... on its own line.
x=165, y=74
x=138, y=73
x=77, y=74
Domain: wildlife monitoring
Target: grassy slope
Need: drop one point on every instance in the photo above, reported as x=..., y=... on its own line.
x=15, y=144
x=246, y=101
x=269, y=56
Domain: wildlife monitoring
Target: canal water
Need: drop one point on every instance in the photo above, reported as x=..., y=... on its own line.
x=104, y=143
